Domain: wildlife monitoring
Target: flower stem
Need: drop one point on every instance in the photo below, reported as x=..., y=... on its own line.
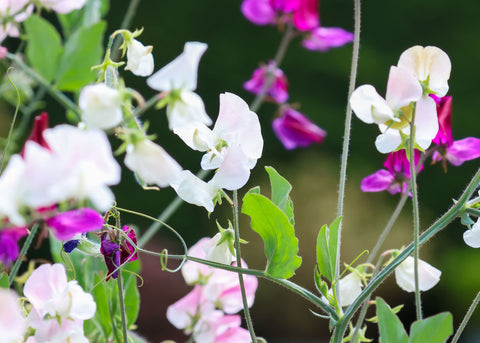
x=465, y=320
x=126, y=22
x=346, y=135
x=416, y=215
x=238, y=256
x=12, y=125
x=280, y=54
x=122, y=306
x=23, y=252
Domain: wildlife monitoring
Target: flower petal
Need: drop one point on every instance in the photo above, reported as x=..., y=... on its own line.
x=66, y=224
x=369, y=106
x=377, y=182
x=402, y=88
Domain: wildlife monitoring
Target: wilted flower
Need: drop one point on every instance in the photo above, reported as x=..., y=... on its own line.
x=295, y=130
x=101, y=106
x=117, y=250
x=428, y=276
x=278, y=88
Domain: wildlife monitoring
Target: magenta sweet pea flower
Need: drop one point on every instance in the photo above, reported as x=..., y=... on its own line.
x=40, y=124
x=9, y=244
x=259, y=12
x=116, y=254
x=67, y=224
x=279, y=88
x=325, y=38
x=296, y=130
x=305, y=16
x=456, y=152
x=395, y=178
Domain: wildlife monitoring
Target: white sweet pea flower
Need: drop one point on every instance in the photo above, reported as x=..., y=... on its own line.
x=12, y=323
x=151, y=163
x=63, y=6
x=472, y=236
x=219, y=248
x=194, y=190
x=350, y=288
x=139, y=58
x=394, y=113
x=179, y=78
x=428, y=276
x=430, y=65
x=100, y=106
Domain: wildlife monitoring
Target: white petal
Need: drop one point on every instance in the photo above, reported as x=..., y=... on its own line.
x=234, y=171
x=139, y=58
x=181, y=73
x=369, y=106
x=472, y=236
x=388, y=141
x=101, y=106
x=196, y=135
x=190, y=110
x=428, y=276
x=402, y=88
x=194, y=190
x=218, y=252
x=350, y=289
x=426, y=122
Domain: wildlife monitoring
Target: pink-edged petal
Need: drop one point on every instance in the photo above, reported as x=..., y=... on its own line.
x=426, y=122
x=325, y=38
x=402, y=88
x=192, y=272
x=463, y=150
x=377, y=182
x=259, y=12
x=369, y=106
x=234, y=334
x=181, y=313
x=66, y=224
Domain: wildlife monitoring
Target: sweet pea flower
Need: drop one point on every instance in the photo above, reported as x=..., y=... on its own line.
x=179, y=78
x=278, y=89
x=350, y=287
x=217, y=327
x=195, y=191
x=101, y=106
x=63, y=6
x=259, y=12
x=428, y=276
x=220, y=247
x=393, y=114
x=9, y=244
x=471, y=237
x=152, y=163
x=52, y=331
x=325, y=38
x=139, y=58
x=295, y=130
x=395, y=177
x=455, y=152
x=115, y=253
x=12, y=323
x=430, y=65
x=13, y=12
x=305, y=16
x=67, y=224
x=194, y=272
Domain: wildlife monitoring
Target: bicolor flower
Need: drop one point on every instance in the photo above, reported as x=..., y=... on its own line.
x=117, y=250
x=139, y=58
x=179, y=79
x=394, y=113
x=325, y=38
x=101, y=106
x=455, y=152
x=278, y=90
x=194, y=272
x=12, y=322
x=428, y=276
x=395, y=177
x=295, y=130
x=218, y=327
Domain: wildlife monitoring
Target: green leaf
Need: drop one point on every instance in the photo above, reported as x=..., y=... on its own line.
x=390, y=327
x=435, y=329
x=102, y=315
x=327, y=249
x=4, y=281
x=44, y=46
x=281, y=193
x=83, y=50
x=132, y=299
x=278, y=235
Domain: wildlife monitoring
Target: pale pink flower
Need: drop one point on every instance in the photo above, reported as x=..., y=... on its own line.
x=63, y=6
x=325, y=38
x=194, y=272
x=12, y=323
x=217, y=327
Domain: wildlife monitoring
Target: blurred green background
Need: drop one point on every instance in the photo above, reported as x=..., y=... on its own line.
x=318, y=82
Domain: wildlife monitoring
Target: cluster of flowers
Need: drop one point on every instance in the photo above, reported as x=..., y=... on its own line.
x=291, y=127
x=13, y=12
x=57, y=312
x=207, y=313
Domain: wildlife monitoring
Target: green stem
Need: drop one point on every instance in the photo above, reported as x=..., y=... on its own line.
x=146, y=106
x=467, y=317
x=436, y=227
x=122, y=306
x=23, y=252
x=56, y=94
x=126, y=22
x=12, y=125
x=473, y=211
x=416, y=215
x=346, y=135
x=280, y=54
x=238, y=257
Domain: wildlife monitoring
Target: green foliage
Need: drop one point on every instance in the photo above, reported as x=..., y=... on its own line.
x=390, y=327
x=103, y=315
x=44, y=47
x=4, y=281
x=327, y=249
x=83, y=50
x=277, y=233
x=281, y=193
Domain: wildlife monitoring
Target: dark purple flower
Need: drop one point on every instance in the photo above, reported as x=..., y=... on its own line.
x=69, y=246
x=296, y=130
x=456, y=152
x=395, y=178
x=9, y=244
x=325, y=38
x=279, y=88
x=66, y=224
x=115, y=253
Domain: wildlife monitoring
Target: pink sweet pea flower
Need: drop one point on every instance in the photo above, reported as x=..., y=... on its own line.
x=279, y=87
x=305, y=16
x=12, y=323
x=296, y=130
x=67, y=224
x=395, y=178
x=9, y=244
x=325, y=38
x=40, y=124
x=259, y=12
x=216, y=328
x=456, y=152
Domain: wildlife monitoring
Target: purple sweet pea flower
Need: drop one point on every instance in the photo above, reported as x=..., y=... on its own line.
x=325, y=38
x=116, y=254
x=279, y=88
x=296, y=130
x=66, y=224
x=456, y=152
x=395, y=178
x=9, y=244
